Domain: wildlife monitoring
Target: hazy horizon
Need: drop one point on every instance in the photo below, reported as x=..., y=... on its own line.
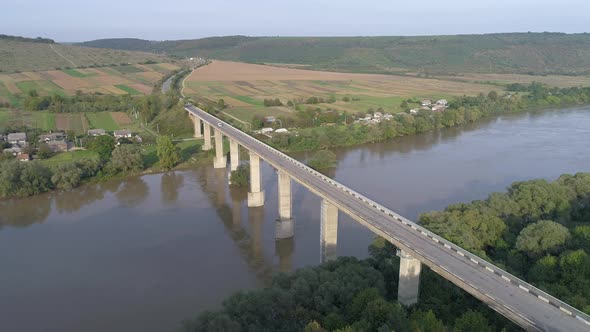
x=67, y=21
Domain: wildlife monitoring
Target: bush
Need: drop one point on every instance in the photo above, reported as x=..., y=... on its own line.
x=323, y=159
x=127, y=158
x=67, y=176
x=240, y=177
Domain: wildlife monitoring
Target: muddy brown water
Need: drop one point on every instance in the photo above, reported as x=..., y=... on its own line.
x=145, y=253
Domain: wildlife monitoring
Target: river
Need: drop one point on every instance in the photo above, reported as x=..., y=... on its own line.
x=145, y=253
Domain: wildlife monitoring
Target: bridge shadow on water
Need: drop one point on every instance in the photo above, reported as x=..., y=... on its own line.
x=248, y=237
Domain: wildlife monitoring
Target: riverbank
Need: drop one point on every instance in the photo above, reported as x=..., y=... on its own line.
x=164, y=239
x=533, y=98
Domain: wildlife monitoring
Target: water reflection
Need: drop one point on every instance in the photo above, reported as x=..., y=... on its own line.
x=133, y=192
x=15, y=213
x=170, y=185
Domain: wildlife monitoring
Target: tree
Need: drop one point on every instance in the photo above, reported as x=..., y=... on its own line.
x=421, y=321
x=44, y=151
x=67, y=176
x=240, y=177
x=103, y=145
x=472, y=321
x=167, y=153
x=127, y=158
x=465, y=225
x=323, y=159
x=542, y=236
x=24, y=179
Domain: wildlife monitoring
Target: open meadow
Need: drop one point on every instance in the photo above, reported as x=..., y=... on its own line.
x=117, y=80
x=244, y=87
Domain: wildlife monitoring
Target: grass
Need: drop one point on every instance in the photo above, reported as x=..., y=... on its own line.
x=27, y=56
x=128, y=69
x=44, y=120
x=102, y=120
x=42, y=87
x=71, y=156
x=249, y=100
x=128, y=89
x=75, y=73
x=8, y=96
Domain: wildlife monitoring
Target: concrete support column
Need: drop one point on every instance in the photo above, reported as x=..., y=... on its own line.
x=234, y=154
x=197, y=124
x=220, y=159
x=409, y=279
x=285, y=226
x=328, y=231
x=256, y=195
x=207, y=135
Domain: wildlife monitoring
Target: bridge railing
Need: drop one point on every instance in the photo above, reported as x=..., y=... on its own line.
x=474, y=259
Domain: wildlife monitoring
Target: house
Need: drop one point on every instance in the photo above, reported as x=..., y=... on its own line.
x=122, y=133
x=438, y=108
x=377, y=115
x=57, y=136
x=17, y=138
x=270, y=119
x=426, y=102
x=387, y=116
x=281, y=130
x=266, y=130
x=23, y=157
x=15, y=150
x=96, y=132
x=58, y=146
x=442, y=102
x=414, y=111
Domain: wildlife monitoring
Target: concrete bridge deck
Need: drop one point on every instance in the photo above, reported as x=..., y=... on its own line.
x=517, y=300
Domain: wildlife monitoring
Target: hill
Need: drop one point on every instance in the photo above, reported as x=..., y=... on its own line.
x=523, y=53
x=17, y=55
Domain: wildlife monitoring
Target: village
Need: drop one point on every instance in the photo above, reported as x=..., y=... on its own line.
x=24, y=148
x=370, y=118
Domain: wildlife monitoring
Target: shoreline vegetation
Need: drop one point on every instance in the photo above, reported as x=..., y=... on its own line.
x=537, y=229
x=18, y=179
x=313, y=132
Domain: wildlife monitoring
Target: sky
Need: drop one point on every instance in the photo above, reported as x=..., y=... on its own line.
x=75, y=20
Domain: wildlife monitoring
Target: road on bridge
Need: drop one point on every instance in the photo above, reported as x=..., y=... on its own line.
x=519, y=301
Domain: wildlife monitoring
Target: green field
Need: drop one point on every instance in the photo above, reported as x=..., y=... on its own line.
x=44, y=120
x=128, y=89
x=75, y=73
x=69, y=157
x=102, y=120
x=16, y=118
x=42, y=87
x=7, y=96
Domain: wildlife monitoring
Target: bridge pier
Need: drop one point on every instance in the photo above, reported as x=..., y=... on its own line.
x=328, y=231
x=285, y=226
x=234, y=155
x=409, y=279
x=197, y=124
x=207, y=136
x=220, y=158
x=256, y=195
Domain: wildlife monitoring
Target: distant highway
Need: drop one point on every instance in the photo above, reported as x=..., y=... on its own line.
x=519, y=301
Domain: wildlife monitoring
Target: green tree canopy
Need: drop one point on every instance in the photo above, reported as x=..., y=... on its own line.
x=323, y=159
x=167, y=153
x=542, y=236
x=103, y=145
x=127, y=158
x=67, y=176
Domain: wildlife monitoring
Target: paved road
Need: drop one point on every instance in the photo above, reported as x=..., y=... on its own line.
x=524, y=304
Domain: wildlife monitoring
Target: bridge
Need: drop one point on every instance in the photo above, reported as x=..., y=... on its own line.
x=524, y=304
